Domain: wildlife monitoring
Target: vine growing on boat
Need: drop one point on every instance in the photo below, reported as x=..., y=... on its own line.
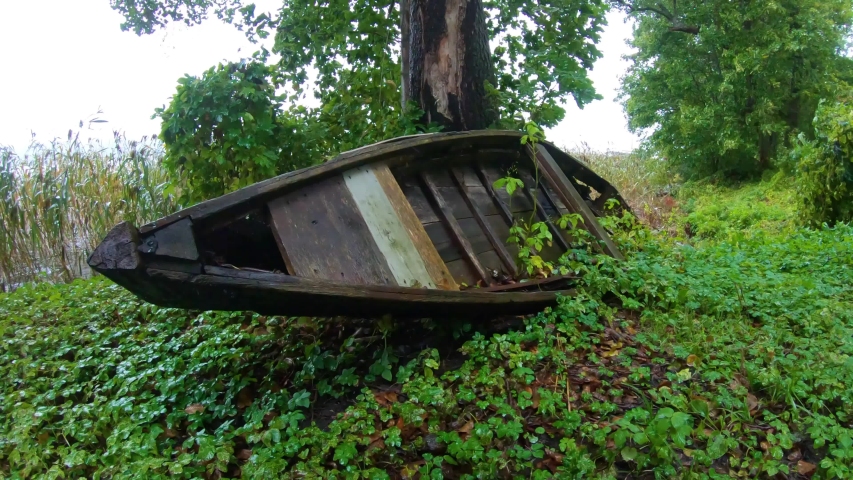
x=530, y=237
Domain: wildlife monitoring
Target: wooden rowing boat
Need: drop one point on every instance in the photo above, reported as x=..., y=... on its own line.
x=400, y=227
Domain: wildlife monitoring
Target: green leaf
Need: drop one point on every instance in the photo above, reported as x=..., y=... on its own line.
x=629, y=454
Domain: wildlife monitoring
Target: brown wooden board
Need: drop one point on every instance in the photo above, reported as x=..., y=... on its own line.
x=323, y=236
x=432, y=260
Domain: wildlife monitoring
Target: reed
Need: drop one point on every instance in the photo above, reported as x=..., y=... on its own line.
x=59, y=199
x=642, y=180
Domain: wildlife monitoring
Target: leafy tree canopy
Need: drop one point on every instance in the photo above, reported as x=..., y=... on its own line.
x=541, y=52
x=726, y=85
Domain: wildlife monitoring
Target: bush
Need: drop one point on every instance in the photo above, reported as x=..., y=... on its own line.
x=825, y=165
x=227, y=130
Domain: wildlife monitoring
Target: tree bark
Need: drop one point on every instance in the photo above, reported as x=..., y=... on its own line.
x=449, y=62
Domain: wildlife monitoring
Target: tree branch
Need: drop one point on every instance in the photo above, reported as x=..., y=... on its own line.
x=661, y=10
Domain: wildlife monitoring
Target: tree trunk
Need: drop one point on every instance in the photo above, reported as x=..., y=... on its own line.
x=449, y=61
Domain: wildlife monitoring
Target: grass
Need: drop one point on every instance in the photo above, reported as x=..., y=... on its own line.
x=59, y=199
x=725, y=355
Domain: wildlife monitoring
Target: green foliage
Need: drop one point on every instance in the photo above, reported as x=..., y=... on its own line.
x=734, y=211
x=226, y=130
x=695, y=360
x=825, y=165
x=542, y=54
x=726, y=85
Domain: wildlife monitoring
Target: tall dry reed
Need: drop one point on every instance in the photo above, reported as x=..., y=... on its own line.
x=643, y=181
x=59, y=199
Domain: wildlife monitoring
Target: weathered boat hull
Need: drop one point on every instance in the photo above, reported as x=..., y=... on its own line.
x=393, y=228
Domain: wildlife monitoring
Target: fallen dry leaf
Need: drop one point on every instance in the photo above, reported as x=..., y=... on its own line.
x=753, y=403
x=467, y=427
x=243, y=454
x=795, y=455
x=692, y=359
x=385, y=398
x=805, y=468
x=194, y=408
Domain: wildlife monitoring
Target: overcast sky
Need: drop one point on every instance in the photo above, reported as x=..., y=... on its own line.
x=63, y=60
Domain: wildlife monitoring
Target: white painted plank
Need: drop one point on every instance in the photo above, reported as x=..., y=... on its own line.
x=387, y=230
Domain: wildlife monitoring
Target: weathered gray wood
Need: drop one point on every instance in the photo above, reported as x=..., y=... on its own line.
x=488, y=183
x=456, y=231
x=387, y=230
x=498, y=244
x=118, y=250
x=176, y=241
x=324, y=236
x=572, y=199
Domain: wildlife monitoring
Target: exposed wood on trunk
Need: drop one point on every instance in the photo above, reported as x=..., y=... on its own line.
x=450, y=62
x=456, y=230
x=498, y=244
x=572, y=199
x=405, y=45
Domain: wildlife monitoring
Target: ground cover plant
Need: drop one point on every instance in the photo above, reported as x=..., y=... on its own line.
x=697, y=357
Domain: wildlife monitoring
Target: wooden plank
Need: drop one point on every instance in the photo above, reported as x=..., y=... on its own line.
x=442, y=237
x=498, y=245
x=324, y=298
x=176, y=241
x=484, y=179
x=431, y=259
x=425, y=212
x=572, y=199
x=324, y=236
x=388, y=232
x=457, y=234
x=538, y=282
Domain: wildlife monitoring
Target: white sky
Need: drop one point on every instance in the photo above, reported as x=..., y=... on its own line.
x=63, y=60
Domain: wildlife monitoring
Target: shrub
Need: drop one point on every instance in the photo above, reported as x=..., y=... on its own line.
x=825, y=165
x=226, y=130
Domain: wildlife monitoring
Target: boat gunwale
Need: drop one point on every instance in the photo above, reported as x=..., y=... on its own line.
x=246, y=199
x=285, y=279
